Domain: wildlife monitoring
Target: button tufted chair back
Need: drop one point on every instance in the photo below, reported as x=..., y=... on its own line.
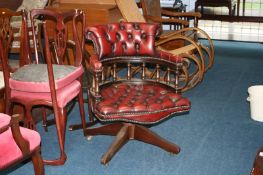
x=124, y=39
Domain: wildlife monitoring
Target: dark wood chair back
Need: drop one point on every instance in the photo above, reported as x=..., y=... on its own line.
x=63, y=35
x=12, y=34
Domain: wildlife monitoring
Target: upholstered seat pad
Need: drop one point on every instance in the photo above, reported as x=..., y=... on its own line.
x=34, y=77
x=64, y=95
x=10, y=152
x=4, y=122
x=139, y=103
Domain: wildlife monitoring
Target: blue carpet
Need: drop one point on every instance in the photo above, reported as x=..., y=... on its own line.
x=217, y=137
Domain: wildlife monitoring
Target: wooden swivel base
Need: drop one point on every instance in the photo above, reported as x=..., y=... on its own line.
x=127, y=131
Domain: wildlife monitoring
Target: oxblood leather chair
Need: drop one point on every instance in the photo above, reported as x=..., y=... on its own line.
x=18, y=144
x=128, y=101
x=52, y=84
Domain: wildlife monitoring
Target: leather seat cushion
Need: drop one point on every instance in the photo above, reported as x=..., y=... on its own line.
x=34, y=77
x=139, y=103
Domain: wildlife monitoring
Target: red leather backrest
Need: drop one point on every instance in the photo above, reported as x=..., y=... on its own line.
x=123, y=39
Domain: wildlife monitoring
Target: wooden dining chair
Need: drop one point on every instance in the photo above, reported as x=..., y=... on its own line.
x=50, y=82
x=9, y=35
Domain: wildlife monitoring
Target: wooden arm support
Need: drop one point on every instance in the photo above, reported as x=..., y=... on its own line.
x=21, y=142
x=167, y=20
x=181, y=14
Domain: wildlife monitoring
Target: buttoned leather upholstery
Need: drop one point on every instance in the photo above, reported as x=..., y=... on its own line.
x=125, y=39
x=138, y=103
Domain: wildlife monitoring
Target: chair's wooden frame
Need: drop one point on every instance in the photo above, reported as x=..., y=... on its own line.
x=55, y=49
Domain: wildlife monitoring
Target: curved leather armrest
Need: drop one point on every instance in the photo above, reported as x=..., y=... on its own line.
x=20, y=141
x=95, y=63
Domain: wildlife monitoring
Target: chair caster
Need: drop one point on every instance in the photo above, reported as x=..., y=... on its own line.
x=172, y=154
x=106, y=165
x=89, y=138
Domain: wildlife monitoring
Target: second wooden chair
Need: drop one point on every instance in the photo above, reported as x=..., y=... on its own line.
x=50, y=82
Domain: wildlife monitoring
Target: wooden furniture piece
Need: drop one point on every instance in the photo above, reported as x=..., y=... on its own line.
x=15, y=7
x=128, y=102
x=153, y=12
x=236, y=17
x=230, y=4
x=103, y=2
x=10, y=33
x=97, y=12
x=258, y=163
x=179, y=42
x=52, y=84
x=7, y=33
x=65, y=81
x=18, y=144
x=28, y=5
x=10, y=4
